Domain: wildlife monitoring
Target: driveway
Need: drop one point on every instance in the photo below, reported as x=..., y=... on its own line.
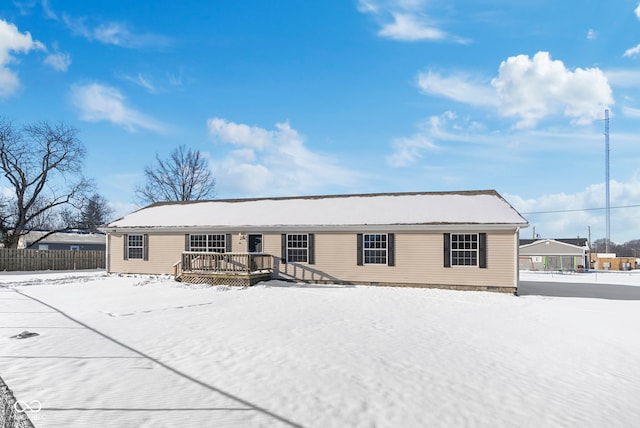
x=575, y=289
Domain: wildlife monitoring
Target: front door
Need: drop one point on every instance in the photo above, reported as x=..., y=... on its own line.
x=254, y=243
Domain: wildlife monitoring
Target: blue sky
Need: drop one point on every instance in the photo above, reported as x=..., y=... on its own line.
x=352, y=96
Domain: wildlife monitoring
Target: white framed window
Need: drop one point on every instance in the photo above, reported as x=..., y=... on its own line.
x=215, y=243
x=374, y=248
x=298, y=247
x=135, y=246
x=464, y=249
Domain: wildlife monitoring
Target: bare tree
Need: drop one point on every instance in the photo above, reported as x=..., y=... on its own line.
x=94, y=212
x=184, y=176
x=599, y=246
x=42, y=166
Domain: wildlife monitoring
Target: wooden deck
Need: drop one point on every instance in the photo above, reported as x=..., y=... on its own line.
x=241, y=269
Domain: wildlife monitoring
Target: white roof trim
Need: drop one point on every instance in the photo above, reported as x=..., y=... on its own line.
x=318, y=228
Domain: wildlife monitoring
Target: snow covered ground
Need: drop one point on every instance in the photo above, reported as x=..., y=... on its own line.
x=146, y=351
x=631, y=277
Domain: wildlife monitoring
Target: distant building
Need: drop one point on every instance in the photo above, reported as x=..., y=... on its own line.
x=609, y=261
x=71, y=240
x=562, y=254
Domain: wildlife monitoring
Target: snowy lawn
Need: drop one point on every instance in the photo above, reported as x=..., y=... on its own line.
x=631, y=277
x=146, y=351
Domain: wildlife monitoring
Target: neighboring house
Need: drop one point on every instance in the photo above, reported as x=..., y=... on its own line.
x=459, y=240
x=609, y=261
x=71, y=240
x=570, y=254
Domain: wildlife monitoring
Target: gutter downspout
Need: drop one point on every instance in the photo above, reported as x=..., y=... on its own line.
x=517, y=261
x=106, y=253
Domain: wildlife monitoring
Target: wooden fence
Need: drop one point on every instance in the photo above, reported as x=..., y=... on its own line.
x=30, y=260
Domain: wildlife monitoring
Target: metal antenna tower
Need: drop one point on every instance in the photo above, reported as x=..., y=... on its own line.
x=606, y=159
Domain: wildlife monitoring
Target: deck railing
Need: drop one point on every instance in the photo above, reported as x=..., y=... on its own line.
x=195, y=261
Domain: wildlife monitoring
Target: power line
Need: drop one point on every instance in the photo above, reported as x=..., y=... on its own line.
x=581, y=209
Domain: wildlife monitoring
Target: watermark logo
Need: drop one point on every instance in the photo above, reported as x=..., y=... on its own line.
x=22, y=406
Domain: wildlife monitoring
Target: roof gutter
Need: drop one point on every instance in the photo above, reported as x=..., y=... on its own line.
x=319, y=228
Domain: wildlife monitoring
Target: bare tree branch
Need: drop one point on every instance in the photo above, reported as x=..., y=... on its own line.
x=184, y=176
x=42, y=164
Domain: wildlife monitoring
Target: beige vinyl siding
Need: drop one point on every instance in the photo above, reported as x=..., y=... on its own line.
x=418, y=260
x=164, y=251
x=239, y=242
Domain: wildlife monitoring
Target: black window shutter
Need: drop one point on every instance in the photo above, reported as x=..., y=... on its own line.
x=482, y=250
x=145, y=247
x=125, y=239
x=447, y=250
x=283, y=248
x=311, y=250
x=187, y=242
x=359, y=248
x=227, y=243
x=391, y=249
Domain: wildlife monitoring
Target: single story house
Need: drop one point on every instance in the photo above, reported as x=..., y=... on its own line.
x=68, y=240
x=609, y=261
x=457, y=240
x=562, y=254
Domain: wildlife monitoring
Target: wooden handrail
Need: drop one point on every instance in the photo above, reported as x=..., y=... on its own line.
x=177, y=269
x=196, y=261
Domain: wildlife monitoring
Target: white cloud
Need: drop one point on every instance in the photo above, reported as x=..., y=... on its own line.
x=592, y=34
x=408, y=150
x=632, y=51
x=557, y=220
x=155, y=83
x=12, y=40
x=239, y=134
x=452, y=135
x=405, y=20
x=408, y=27
x=529, y=89
x=113, y=33
x=533, y=88
x=58, y=61
x=175, y=79
x=143, y=82
x=459, y=87
x=48, y=12
x=436, y=129
x=366, y=6
x=274, y=162
x=24, y=7
x=103, y=103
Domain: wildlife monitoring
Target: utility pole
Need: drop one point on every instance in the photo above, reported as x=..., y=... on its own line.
x=606, y=160
x=588, y=265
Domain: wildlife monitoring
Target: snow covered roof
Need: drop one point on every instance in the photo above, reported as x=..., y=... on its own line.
x=552, y=247
x=578, y=242
x=485, y=207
